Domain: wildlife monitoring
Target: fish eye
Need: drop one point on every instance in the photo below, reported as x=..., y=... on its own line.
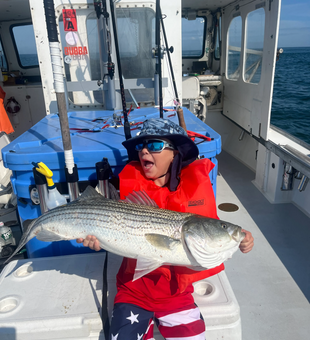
x=224, y=226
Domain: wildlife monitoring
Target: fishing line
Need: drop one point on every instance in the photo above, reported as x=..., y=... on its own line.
x=120, y=75
x=171, y=84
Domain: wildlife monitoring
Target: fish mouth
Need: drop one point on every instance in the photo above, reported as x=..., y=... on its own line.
x=238, y=235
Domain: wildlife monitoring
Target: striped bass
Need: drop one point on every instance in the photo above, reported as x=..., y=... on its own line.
x=142, y=231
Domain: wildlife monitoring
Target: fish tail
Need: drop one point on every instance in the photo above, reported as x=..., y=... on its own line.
x=27, y=226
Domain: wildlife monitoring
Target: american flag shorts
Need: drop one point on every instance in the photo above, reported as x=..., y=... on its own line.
x=130, y=322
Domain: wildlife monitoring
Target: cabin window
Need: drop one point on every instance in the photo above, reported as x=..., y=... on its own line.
x=136, y=38
x=3, y=62
x=25, y=45
x=193, y=37
x=234, y=48
x=255, y=28
x=218, y=38
x=135, y=26
x=93, y=46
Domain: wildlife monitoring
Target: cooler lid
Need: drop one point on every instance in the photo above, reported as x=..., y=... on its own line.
x=52, y=297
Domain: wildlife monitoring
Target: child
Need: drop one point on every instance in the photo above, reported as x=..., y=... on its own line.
x=165, y=167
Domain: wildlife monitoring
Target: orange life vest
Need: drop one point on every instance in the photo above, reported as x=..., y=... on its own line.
x=167, y=286
x=5, y=124
x=194, y=193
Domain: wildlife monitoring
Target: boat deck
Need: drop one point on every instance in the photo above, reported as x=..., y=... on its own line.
x=272, y=282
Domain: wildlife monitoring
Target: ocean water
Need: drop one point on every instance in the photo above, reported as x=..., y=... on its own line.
x=291, y=95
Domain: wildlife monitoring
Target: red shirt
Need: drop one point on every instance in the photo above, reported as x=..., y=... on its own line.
x=168, y=287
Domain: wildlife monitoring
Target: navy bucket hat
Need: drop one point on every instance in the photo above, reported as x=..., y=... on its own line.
x=164, y=128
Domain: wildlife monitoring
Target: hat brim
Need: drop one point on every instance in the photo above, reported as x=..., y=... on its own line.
x=184, y=145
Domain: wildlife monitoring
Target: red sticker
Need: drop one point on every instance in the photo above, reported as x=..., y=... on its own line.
x=76, y=50
x=69, y=18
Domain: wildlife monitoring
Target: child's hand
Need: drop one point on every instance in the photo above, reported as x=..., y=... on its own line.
x=247, y=243
x=90, y=241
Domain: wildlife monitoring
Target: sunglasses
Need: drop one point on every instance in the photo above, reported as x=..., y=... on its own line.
x=154, y=145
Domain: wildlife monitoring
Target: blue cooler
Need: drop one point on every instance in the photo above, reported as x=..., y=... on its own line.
x=90, y=143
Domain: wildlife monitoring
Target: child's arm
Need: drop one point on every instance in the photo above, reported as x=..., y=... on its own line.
x=247, y=243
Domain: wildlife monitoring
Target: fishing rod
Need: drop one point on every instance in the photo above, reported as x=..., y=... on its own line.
x=70, y=168
x=120, y=73
x=178, y=108
x=158, y=71
x=107, y=66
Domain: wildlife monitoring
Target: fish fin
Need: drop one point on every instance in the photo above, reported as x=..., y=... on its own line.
x=49, y=236
x=162, y=241
x=27, y=225
x=145, y=266
x=88, y=193
x=140, y=197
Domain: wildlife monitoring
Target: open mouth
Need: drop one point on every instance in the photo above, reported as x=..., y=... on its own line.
x=147, y=165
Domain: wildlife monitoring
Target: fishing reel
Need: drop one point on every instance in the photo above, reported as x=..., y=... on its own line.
x=162, y=50
x=111, y=72
x=111, y=69
x=101, y=8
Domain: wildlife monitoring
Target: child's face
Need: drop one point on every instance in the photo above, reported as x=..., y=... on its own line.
x=155, y=164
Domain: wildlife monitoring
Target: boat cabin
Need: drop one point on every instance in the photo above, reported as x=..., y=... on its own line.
x=224, y=54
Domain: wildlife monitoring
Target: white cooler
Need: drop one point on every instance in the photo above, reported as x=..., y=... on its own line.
x=58, y=298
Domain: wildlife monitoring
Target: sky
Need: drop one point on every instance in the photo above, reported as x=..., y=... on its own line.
x=294, y=23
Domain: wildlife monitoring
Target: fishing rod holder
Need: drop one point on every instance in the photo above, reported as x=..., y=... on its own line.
x=303, y=183
x=103, y=171
x=288, y=175
x=72, y=180
x=39, y=194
